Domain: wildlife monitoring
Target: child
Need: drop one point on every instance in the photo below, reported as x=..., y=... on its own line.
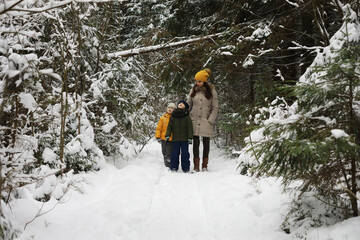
x=181, y=128
x=166, y=146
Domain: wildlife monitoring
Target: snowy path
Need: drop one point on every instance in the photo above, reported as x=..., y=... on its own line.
x=144, y=201
x=177, y=211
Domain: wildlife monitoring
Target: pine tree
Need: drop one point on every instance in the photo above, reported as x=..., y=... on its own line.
x=319, y=142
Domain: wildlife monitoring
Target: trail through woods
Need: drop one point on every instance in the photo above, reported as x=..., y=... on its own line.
x=143, y=200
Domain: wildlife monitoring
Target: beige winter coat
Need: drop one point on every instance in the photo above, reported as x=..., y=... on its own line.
x=203, y=111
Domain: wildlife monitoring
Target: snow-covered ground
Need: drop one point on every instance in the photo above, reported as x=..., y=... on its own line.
x=144, y=201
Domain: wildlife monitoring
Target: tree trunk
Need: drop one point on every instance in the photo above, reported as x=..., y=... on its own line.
x=353, y=198
x=352, y=118
x=77, y=31
x=63, y=115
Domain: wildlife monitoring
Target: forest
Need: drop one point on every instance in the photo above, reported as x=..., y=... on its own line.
x=83, y=82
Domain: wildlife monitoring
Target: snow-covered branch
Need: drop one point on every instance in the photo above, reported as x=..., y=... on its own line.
x=142, y=50
x=299, y=46
x=292, y=3
x=13, y=6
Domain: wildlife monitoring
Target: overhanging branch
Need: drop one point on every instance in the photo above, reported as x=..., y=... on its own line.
x=143, y=50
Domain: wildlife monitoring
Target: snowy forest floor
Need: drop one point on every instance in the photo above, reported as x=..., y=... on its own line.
x=142, y=200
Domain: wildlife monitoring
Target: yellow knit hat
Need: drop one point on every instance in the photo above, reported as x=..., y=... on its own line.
x=203, y=75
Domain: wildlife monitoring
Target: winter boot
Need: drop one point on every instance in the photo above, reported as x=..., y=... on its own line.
x=204, y=164
x=167, y=161
x=196, y=164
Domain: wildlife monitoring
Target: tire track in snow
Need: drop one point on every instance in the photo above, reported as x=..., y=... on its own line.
x=177, y=211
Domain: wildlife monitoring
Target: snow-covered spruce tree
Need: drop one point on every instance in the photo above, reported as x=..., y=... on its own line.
x=316, y=140
x=30, y=106
x=123, y=115
x=136, y=83
x=69, y=52
x=21, y=112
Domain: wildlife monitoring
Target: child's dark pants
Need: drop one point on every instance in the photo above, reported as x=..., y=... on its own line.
x=166, y=147
x=182, y=147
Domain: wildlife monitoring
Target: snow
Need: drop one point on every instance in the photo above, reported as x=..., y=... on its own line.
x=143, y=200
x=344, y=230
x=107, y=127
x=51, y=73
x=248, y=61
x=349, y=32
x=338, y=133
x=28, y=101
x=49, y=156
x=291, y=3
x=227, y=53
x=262, y=31
x=279, y=74
x=20, y=7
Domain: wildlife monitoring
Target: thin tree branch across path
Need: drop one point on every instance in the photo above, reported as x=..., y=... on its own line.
x=143, y=50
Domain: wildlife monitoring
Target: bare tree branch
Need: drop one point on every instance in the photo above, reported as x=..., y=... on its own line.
x=10, y=7
x=40, y=211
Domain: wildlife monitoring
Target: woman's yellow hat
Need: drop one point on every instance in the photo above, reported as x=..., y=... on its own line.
x=203, y=75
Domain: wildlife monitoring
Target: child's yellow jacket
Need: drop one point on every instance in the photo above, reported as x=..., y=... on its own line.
x=162, y=126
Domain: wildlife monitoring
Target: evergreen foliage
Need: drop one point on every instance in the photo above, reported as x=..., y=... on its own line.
x=260, y=50
x=317, y=140
x=61, y=98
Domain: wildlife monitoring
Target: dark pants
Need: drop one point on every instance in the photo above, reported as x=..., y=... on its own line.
x=206, y=150
x=166, y=148
x=185, y=156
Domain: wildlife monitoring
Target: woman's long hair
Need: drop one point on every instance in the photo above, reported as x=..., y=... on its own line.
x=208, y=93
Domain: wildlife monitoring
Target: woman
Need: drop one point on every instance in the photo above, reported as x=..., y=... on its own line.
x=203, y=102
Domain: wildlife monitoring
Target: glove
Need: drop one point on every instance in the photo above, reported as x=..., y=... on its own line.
x=167, y=139
x=190, y=141
x=159, y=140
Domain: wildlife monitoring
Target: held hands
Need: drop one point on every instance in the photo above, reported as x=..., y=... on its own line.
x=190, y=141
x=159, y=140
x=167, y=139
